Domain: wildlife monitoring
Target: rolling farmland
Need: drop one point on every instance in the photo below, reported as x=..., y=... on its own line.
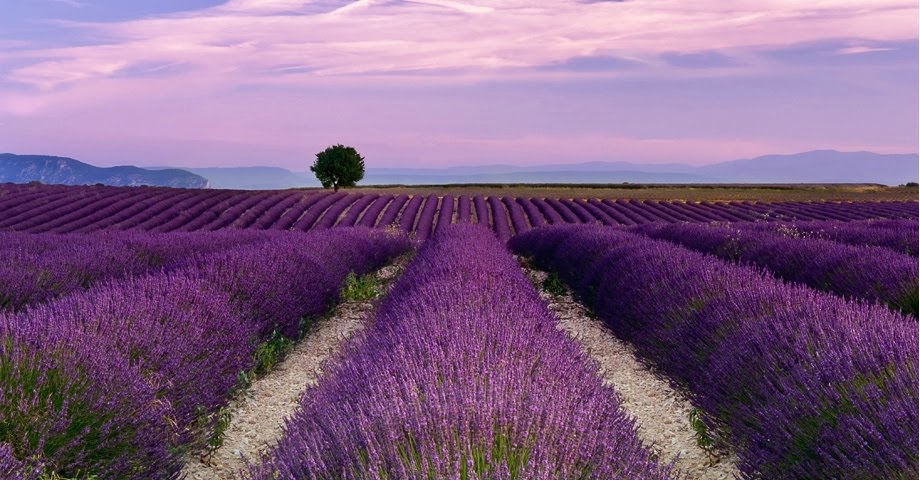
x=145, y=331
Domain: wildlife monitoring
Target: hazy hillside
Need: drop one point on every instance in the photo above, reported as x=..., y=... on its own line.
x=67, y=171
x=819, y=166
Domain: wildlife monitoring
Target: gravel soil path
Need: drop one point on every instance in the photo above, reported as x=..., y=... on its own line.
x=258, y=414
x=661, y=413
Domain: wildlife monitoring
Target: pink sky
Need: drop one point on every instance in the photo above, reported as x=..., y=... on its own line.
x=438, y=82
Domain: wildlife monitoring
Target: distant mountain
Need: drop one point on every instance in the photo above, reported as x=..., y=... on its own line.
x=67, y=171
x=819, y=166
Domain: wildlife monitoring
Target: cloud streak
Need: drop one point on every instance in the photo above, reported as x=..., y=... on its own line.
x=243, y=39
x=471, y=81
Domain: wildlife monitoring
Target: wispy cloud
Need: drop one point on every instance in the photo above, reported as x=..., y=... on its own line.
x=243, y=39
x=473, y=80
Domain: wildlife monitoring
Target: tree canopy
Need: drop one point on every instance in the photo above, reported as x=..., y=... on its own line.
x=338, y=166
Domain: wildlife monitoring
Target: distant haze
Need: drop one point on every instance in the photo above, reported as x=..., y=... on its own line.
x=823, y=166
x=437, y=83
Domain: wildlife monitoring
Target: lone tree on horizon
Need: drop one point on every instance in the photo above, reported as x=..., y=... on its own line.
x=338, y=166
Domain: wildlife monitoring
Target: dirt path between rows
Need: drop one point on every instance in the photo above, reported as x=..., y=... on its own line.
x=661, y=413
x=258, y=414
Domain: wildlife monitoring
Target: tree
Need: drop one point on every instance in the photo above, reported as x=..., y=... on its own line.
x=338, y=166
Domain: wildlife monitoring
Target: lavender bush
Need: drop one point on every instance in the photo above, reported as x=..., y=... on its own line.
x=77, y=411
x=803, y=384
x=106, y=381
x=898, y=235
x=463, y=374
x=871, y=273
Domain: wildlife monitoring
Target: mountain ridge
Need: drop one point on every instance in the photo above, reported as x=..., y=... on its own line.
x=68, y=171
x=815, y=166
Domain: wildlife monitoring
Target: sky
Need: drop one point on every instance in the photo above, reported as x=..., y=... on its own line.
x=434, y=83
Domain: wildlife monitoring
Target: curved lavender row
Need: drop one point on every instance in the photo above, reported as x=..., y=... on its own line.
x=445, y=213
x=316, y=262
x=534, y=217
x=332, y=216
x=426, y=218
x=463, y=374
x=35, y=204
x=104, y=217
x=251, y=215
x=193, y=212
x=155, y=339
x=562, y=210
x=388, y=217
x=161, y=207
x=128, y=216
x=611, y=212
x=901, y=239
x=267, y=219
x=312, y=215
x=623, y=212
x=680, y=214
x=708, y=214
x=871, y=273
x=37, y=267
x=500, y=219
x=584, y=216
x=407, y=217
x=80, y=214
x=14, y=201
x=174, y=211
x=551, y=216
x=518, y=219
x=370, y=216
x=463, y=209
x=351, y=216
x=659, y=212
x=228, y=216
x=593, y=210
x=637, y=207
x=802, y=383
x=63, y=207
x=739, y=214
x=482, y=211
x=294, y=213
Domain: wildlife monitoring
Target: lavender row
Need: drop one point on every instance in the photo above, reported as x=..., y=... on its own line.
x=869, y=273
x=898, y=235
x=69, y=209
x=463, y=374
x=108, y=382
x=803, y=384
x=37, y=267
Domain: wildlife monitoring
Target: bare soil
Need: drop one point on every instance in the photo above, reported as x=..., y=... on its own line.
x=258, y=414
x=661, y=412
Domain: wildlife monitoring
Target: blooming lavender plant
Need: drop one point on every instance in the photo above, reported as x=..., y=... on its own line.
x=870, y=273
x=801, y=383
x=898, y=235
x=106, y=381
x=463, y=374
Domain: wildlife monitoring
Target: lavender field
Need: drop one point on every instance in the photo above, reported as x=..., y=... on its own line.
x=140, y=328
